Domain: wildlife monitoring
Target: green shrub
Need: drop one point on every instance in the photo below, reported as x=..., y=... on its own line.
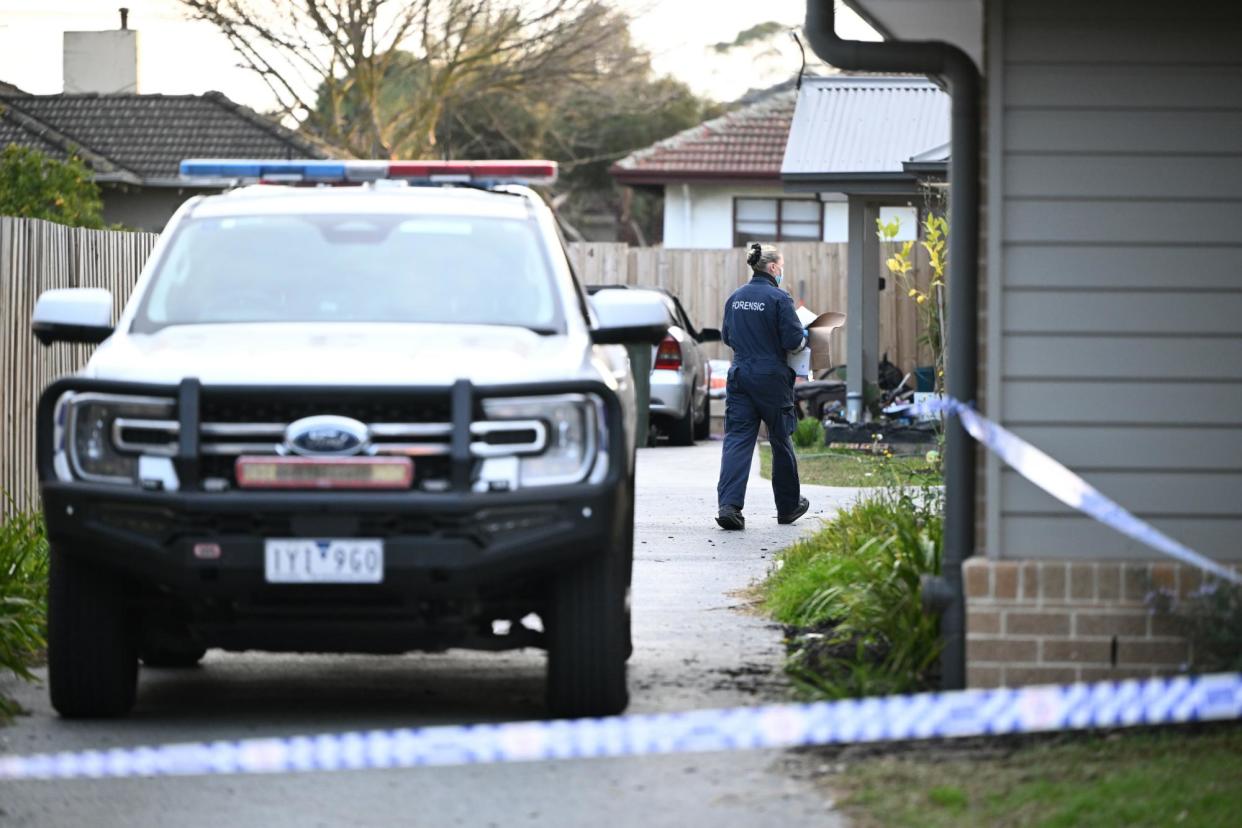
x=809, y=433
x=34, y=185
x=852, y=594
x=23, y=596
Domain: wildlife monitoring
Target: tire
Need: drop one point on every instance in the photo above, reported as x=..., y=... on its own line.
x=703, y=425
x=173, y=656
x=587, y=639
x=92, y=649
x=627, y=546
x=681, y=432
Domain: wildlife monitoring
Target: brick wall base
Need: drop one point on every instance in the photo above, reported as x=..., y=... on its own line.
x=1037, y=622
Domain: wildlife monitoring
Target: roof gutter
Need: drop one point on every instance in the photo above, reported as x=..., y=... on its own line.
x=629, y=175
x=942, y=60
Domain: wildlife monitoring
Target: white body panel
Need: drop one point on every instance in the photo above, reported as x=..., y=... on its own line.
x=341, y=354
x=361, y=354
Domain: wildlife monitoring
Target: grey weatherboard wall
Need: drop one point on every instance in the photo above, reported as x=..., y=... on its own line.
x=1114, y=230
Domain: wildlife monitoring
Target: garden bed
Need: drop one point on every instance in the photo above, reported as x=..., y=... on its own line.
x=849, y=597
x=819, y=466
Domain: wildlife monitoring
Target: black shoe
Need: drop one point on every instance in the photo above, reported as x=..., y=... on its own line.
x=803, y=505
x=730, y=518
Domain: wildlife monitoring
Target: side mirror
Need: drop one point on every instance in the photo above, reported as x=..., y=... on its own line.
x=73, y=315
x=629, y=318
x=709, y=335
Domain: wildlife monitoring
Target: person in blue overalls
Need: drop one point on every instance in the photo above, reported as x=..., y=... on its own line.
x=762, y=329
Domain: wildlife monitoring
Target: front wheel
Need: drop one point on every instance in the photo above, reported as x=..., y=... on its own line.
x=703, y=423
x=92, y=649
x=587, y=639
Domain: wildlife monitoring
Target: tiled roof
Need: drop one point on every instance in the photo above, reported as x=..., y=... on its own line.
x=13, y=132
x=747, y=143
x=143, y=138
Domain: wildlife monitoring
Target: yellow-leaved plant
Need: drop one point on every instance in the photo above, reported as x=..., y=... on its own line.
x=931, y=303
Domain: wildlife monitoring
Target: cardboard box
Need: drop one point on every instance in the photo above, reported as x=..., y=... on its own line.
x=818, y=354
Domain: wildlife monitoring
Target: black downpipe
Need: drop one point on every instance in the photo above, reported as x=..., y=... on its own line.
x=945, y=61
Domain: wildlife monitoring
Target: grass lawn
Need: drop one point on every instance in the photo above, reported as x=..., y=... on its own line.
x=1120, y=779
x=840, y=467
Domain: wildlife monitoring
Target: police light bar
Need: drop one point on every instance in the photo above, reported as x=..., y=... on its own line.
x=356, y=172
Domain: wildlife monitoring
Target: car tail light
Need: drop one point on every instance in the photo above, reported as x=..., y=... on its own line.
x=668, y=355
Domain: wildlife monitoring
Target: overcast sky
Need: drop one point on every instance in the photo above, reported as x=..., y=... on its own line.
x=180, y=56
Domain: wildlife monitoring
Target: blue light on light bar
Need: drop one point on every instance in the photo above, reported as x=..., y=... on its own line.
x=252, y=169
x=356, y=171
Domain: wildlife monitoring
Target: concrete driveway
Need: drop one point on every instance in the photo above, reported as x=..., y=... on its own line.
x=696, y=646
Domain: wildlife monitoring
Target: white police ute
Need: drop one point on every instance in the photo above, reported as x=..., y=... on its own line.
x=350, y=406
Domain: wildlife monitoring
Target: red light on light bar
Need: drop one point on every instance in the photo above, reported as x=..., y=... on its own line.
x=357, y=171
x=530, y=171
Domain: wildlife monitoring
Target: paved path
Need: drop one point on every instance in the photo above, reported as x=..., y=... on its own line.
x=695, y=647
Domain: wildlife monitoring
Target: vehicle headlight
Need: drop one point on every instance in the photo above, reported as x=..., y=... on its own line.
x=100, y=437
x=575, y=437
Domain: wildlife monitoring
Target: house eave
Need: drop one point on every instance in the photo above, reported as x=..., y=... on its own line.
x=926, y=169
x=170, y=182
x=959, y=22
x=852, y=183
x=661, y=177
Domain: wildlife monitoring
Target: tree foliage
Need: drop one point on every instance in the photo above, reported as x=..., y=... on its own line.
x=585, y=126
x=34, y=185
x=332, y=63
x=558, y=79
x=759, y=33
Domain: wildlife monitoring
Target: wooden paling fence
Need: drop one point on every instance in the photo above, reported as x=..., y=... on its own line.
x=815, y=273
x=37, y=255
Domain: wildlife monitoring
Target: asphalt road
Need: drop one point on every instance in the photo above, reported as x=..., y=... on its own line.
x=696, y=646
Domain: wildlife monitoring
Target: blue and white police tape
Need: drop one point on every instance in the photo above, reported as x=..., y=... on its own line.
x=1067, y=487
x=891, y=718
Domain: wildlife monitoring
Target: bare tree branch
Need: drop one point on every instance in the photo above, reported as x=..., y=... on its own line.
x=329, y=62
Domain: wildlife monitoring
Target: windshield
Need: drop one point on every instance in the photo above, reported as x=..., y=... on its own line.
x=352, y=268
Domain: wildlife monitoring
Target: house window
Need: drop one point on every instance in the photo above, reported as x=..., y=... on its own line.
x=777, y=219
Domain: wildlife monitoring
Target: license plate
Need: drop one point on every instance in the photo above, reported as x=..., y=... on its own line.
x=311, y=561
x=324, y=472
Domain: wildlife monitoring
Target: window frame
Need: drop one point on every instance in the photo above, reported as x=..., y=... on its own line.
x=739, y=241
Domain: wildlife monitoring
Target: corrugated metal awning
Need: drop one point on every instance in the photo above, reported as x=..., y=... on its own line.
x=855, y=127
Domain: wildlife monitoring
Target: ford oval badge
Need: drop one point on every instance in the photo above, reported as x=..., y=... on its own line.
x=327, y=436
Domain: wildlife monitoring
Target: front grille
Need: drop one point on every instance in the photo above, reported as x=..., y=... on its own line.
x=250, y=523
x=417, y=426
x=287, y=409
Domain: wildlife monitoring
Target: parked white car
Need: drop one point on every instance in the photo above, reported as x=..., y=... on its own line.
x=680, y=374
x=370, y=418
